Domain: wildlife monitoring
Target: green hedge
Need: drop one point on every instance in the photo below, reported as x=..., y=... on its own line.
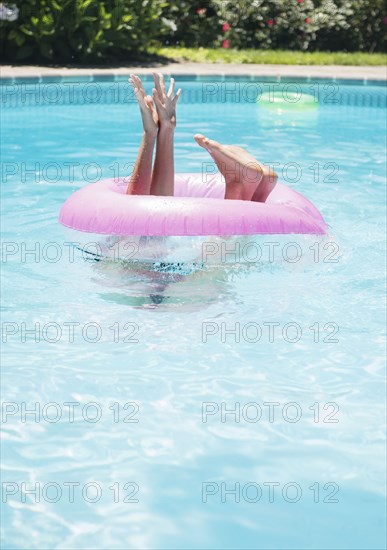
x=327, y=25
x=79, y=31
x=91, y=31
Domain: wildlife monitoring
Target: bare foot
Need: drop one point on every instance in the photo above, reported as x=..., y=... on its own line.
x=246, y=178
x=150, y=119
x=165, y=101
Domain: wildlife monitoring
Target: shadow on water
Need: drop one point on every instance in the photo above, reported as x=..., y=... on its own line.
x=175, y=286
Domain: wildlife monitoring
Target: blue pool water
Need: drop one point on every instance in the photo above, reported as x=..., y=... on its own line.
x=134, y=372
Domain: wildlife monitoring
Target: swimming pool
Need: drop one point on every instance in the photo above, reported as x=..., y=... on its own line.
x=236, y=406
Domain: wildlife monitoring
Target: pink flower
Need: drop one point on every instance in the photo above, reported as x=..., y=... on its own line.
x=307, y=20
x=300, y=1
x=270, y=22
x=225, y=27
x=385, y=20
x=226, y=44
x=201, y=11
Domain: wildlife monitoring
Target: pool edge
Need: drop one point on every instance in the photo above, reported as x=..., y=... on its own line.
x=364, y=74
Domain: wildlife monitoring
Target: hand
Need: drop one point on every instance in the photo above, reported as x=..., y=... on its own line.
x=165, y=102
x=150, y=119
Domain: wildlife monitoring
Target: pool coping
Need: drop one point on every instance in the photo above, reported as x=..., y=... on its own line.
x=330, y=72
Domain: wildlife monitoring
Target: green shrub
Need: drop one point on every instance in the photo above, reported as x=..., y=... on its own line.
x=192, y=24
x=330, y=25
x=80, y=31
x=364, y=28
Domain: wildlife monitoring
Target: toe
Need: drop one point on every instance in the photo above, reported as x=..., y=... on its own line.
x=199, y=138
x=208, y=144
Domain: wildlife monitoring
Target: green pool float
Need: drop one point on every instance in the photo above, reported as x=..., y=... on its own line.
x=287, y=101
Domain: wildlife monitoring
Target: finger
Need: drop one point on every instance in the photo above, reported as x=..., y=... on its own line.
x=178, y=94
x=133, y=78
x=140, y=98
x=139, y=85
x=162, y=84
x=137, y=94
x=157, y=84
x=133, y=81
x=171, y=87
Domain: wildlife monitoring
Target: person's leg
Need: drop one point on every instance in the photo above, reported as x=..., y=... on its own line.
x=163, y=175
x=141, y=177
x=245, y=177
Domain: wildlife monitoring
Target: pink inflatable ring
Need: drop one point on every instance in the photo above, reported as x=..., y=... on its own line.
x=197, y=209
